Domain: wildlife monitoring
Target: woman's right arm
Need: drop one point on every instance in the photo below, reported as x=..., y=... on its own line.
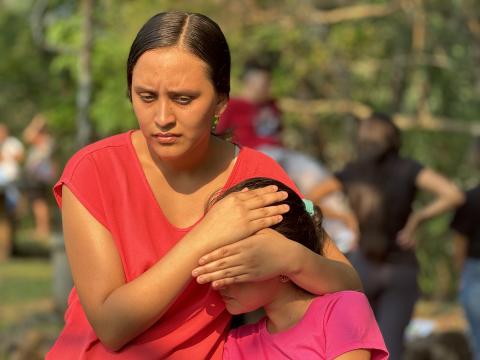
x=119, y=311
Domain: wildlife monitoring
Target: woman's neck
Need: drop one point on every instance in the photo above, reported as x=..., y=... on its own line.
x=195, y=160
x=287, y=309
x=194, y=169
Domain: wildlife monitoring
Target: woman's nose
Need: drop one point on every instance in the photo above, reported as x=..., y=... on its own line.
x=164, y=116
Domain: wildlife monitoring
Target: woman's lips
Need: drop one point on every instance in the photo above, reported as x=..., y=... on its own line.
x=166, y=138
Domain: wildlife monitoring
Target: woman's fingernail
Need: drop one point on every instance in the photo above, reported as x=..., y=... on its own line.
x=195, y=273
x=201, y=261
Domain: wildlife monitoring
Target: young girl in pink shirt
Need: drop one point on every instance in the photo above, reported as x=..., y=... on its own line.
x=299, y=325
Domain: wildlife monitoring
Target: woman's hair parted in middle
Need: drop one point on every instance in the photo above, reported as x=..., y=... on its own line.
x=196, y=33
x=297, y=224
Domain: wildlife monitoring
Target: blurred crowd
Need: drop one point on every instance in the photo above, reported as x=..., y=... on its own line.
x=27, y=170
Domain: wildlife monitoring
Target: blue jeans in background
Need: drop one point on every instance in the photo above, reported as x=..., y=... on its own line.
x=470, y=300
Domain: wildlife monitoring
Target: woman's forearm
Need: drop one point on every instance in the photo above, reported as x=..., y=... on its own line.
x=320, y=275
x=448, y=196
x=135, y=306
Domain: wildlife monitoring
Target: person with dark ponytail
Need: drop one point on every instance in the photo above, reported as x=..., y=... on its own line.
x=381, y=186
x=298, y=324
x=133, y=211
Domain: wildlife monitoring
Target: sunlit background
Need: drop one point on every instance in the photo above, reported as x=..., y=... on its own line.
x=334, y=61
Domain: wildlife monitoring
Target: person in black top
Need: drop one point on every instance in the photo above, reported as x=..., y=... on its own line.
x=381, y=187
x=466, y=225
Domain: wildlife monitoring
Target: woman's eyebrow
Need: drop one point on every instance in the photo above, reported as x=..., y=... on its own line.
x=188, y=92
x=140, y=89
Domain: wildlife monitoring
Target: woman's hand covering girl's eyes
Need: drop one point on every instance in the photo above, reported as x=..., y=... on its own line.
x=261, y=256
x=240, y=215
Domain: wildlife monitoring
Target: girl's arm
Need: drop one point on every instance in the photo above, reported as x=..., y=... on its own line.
x=267, y=254
x=359, y=354
x=118, y=310
x=447, y=197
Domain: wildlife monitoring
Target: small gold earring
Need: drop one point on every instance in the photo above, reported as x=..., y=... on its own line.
x=215, y=122
x=284, y=278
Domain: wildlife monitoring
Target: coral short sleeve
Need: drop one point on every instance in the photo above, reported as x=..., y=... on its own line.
x=82, y=179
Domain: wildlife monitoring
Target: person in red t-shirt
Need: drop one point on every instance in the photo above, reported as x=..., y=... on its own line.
x=133, y=211
x=254, y=117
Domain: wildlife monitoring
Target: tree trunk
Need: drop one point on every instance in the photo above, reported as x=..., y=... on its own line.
x=84, y=91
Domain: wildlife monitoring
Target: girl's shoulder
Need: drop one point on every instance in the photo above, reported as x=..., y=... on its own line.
x=347, y=299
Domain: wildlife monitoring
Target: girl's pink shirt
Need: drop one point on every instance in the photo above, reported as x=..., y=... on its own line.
x=107, y=178
x=333, y=325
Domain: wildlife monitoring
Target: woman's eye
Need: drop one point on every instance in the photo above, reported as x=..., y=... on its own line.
x=147, y=98
x=184, y=100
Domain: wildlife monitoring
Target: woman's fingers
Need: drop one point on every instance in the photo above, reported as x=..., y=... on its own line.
x=261, y=197
x=268, y=211
x=246, y=193
x=220, y=253
x=263, y=223
x=230, y=272
x=220, y=264
x=266, y=199
x=406, y=240
x=218, y=284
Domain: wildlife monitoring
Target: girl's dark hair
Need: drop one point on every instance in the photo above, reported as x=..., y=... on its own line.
x=193, y=32
x=297, y=224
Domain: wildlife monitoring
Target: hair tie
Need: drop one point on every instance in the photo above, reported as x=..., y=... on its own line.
x=309, y=206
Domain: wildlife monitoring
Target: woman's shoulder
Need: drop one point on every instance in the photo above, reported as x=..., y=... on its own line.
x=96, y=155
x=253, y=163
x=94, y=149
x=102, y=144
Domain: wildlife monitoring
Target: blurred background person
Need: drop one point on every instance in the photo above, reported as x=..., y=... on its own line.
x=40, y=172
x=381, y=187
x=466, y=226
x=254, y=119
x=11, y=154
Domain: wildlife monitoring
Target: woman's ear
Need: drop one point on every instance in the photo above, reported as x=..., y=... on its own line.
x=221, y=105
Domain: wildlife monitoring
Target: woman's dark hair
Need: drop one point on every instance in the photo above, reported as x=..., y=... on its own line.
x=193, y=32
x=297, y=224
x=391, y=132
x=377, y=138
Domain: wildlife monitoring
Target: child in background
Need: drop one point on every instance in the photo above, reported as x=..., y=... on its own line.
x=299, y=325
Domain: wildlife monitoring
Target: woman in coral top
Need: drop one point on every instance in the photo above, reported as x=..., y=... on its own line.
x=133, y=210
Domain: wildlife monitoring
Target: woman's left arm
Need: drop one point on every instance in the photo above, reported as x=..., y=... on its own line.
x=267, y=254
x=447, y=197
